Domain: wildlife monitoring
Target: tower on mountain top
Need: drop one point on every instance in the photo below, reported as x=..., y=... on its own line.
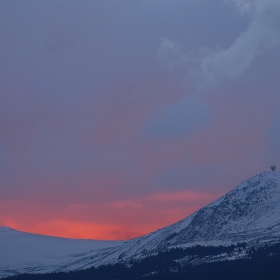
x=273, y=167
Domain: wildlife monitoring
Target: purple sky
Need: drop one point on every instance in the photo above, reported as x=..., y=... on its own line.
x=120, y=117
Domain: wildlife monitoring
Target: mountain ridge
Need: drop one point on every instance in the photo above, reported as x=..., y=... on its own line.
x=211, y=225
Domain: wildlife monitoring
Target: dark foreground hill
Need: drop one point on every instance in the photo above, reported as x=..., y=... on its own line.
x=260, y=263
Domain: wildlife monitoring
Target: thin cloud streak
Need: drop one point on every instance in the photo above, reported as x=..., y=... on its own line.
x=118, y=220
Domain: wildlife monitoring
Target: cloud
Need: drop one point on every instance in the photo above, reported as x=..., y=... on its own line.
x=210, y=67
x=182, y=118
x=244, y=6
x=170, y=53
x=185, y=196
x=254, y=7
x=262, y=34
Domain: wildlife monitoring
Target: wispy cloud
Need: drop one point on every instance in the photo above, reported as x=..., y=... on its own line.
x=122, y=219
x=209, y=67
x=212, y=66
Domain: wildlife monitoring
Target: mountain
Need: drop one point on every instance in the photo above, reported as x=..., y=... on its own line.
x=249, y=213
x=33, y=253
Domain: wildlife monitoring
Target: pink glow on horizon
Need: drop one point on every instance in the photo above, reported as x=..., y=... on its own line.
x=117, y=221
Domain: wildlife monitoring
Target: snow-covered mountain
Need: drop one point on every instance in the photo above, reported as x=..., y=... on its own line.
x=22, y=252
x=249, y=213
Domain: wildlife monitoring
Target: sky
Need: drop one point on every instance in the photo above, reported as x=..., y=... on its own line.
x=119, y=117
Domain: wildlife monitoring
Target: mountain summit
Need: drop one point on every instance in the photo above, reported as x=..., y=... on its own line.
x=249, y=213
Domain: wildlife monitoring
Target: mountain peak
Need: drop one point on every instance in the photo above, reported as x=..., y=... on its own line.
x=248, y=213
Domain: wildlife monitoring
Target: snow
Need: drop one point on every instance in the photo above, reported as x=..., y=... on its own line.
x=217, y=202
x=25, y=252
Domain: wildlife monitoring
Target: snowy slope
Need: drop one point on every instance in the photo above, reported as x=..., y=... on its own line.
x=248, y=213
x=24, y=252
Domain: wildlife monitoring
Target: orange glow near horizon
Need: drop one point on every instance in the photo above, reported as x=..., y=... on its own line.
x=120, y=220
x=77, y=230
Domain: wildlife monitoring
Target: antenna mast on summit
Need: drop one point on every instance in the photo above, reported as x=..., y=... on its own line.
x=272, y=167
